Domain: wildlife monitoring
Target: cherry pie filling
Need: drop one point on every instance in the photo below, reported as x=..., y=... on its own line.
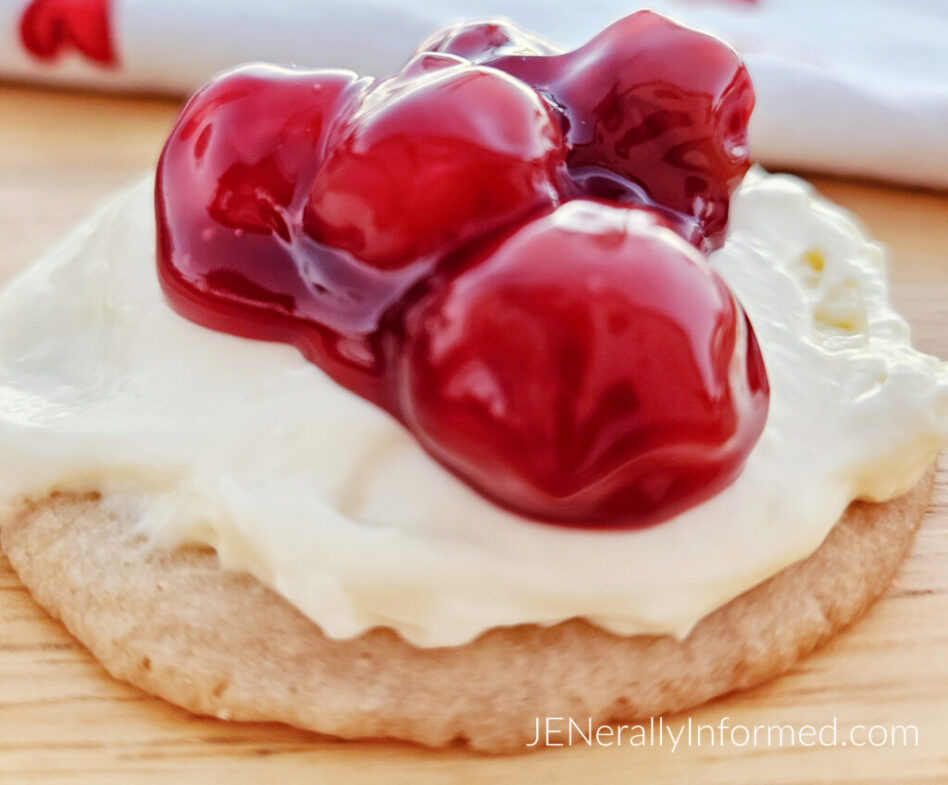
x=502, y=245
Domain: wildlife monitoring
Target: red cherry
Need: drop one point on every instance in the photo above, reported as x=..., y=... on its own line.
x=664, y=106
x=441, y=153
x=231, y=186
x=480, y=42
x=590, y=368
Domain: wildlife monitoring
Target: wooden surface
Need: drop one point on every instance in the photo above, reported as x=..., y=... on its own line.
x=62, y=719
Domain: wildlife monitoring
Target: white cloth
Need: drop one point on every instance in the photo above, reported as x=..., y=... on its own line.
x=849, y=86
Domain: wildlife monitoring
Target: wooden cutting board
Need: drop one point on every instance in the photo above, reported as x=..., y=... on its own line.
x=63, y=719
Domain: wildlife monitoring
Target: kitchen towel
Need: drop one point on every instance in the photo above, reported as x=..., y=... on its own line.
x=856, y=87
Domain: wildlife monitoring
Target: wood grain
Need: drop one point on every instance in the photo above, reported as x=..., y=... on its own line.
x=62, y=719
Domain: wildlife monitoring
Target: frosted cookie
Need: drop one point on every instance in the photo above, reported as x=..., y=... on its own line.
x=219, y=642
x=504, y=382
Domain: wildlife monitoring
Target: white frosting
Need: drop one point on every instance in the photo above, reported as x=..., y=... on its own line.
x=247, y=447
x=858, y=88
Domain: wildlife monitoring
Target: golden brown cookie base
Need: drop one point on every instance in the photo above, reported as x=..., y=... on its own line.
x=220, y=643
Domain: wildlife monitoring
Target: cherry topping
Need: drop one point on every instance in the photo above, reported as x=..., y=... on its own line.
x=483, y=41
x=442, y=152
x=428, y=240
x=230, y=192
x=662, y=106
x=589, y=368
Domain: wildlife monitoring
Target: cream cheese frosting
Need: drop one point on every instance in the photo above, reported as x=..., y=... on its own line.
x=247, y=447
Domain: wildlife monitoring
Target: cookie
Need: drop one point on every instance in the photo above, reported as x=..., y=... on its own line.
x=220, y=643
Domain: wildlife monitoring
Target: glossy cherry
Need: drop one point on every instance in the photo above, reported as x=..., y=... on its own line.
x=427, y=240
x=589, y=368
x=232, y=183
x=480, y=42
x=442, y=152
x=653, y=113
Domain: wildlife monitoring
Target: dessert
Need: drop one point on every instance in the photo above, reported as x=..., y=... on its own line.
x=383, y=561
